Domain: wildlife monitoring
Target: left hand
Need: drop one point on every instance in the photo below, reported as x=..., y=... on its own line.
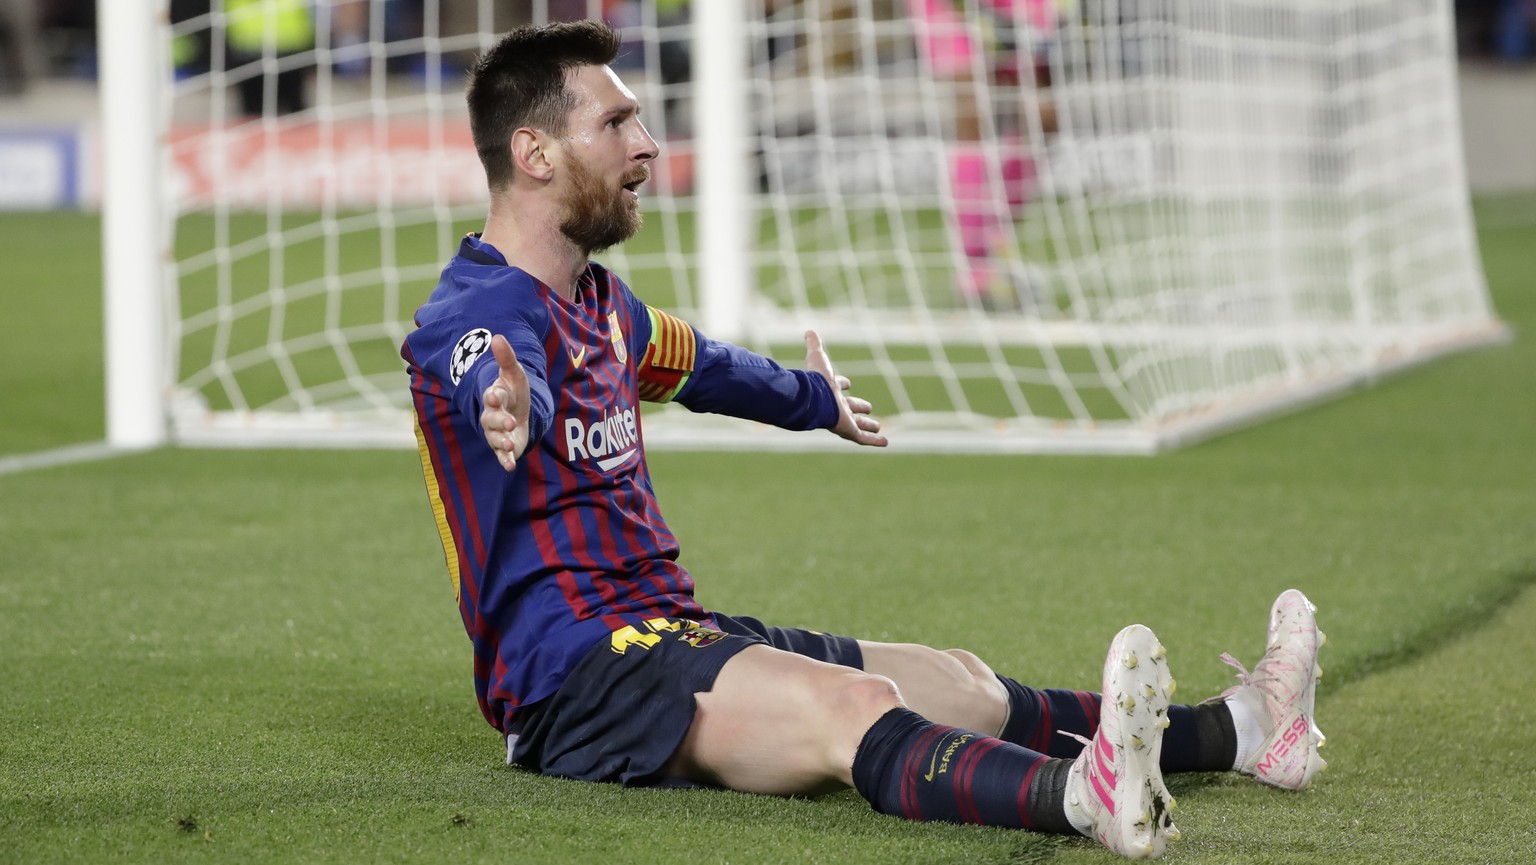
x=854, y=421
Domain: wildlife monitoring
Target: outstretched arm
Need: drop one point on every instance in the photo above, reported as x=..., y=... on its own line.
x=677, y=363
x=504, y=418
x=854, y=421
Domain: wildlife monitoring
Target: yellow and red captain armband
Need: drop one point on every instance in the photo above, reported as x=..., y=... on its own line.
x=669, y=357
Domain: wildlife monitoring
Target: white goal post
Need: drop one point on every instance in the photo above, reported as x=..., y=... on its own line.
x=1089, y=226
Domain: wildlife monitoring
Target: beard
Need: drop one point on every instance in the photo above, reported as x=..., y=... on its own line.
x=597, y=216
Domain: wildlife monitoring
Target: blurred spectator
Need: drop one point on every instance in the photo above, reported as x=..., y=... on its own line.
x=627, y=17
x=51, y=37
x=458, y=17
x=349, y=36
x=190, y=51
x=259, y=32
x=676, y=61
x=18, y=45
x=1495, y=29
x=68, y=36
x=673, y=53
x=462, y=17
x=1512, y=43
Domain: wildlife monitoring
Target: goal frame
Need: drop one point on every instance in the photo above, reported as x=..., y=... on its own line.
x=135, y=237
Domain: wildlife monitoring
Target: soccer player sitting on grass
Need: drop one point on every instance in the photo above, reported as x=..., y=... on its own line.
x=591, y=655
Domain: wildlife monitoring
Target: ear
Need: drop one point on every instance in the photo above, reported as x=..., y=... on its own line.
x=531, y=153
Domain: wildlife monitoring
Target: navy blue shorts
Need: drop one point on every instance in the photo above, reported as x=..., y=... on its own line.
x=626, y=706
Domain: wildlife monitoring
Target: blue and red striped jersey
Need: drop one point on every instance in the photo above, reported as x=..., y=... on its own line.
x=570, y=546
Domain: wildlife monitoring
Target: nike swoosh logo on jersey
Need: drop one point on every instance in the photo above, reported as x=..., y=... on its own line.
x=578, y=357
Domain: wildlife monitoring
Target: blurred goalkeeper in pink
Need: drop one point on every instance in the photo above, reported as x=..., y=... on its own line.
x=992, y=54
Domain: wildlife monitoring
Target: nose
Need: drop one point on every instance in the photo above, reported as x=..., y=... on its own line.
x=646, y=147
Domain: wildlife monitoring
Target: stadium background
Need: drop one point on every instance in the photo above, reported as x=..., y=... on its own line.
x=253, y=656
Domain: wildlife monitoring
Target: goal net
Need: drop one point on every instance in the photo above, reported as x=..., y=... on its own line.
x=1020, y=225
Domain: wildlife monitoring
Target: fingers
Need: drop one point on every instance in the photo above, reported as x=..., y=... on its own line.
x=816, y=359
x=505, y=356
x=497, y=415
x=500, y=405
x=506, y=359
x=506, y=453
x=500, y=430
x=499, y=427
x=496, y=397
x=870, y=439
x=866, y=428
x=510, y=389
x=856, y=424
x=503, y=401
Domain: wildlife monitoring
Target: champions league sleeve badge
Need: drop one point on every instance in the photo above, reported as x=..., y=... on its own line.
x=468, y=350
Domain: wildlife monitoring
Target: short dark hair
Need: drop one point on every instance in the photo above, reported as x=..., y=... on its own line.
x=521, y=82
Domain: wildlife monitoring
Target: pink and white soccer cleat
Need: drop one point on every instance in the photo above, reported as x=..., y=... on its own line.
x=1116, y=785
x=1280, y=694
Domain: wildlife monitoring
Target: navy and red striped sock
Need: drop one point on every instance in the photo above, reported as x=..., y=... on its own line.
x=1036, y=717
x=911, y=767
x=1199, y=738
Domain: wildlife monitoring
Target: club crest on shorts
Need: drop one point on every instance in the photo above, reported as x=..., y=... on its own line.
x=616, y=334
x=468, y=350
x=699, y=636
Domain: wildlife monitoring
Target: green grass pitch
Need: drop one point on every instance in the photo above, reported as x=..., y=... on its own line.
x=254, y=656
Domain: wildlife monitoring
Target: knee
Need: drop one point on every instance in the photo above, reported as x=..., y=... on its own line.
x=977, y=675
x=843, y=709
x=863, y=697
x=976, y=670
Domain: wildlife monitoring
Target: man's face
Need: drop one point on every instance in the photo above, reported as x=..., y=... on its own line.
x=608, y=151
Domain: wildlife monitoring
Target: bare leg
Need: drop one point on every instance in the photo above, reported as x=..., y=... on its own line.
x=952, y=687
x=781, y=724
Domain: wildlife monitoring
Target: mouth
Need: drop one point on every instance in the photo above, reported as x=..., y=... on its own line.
x=632, y=183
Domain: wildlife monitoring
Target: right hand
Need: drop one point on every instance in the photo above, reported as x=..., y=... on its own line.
x=854, y=419
x=504, y=418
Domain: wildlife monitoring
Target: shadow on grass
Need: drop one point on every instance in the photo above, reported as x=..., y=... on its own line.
x=1459, y=621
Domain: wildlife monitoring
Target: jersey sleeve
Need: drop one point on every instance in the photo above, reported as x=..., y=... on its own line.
x=668, y=357
x=678, y=363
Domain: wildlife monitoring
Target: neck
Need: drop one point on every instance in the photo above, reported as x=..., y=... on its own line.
x=535, y=243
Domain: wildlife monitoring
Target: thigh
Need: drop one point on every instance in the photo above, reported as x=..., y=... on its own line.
x=780, y=723
x=831, y=648
x=624, y=708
